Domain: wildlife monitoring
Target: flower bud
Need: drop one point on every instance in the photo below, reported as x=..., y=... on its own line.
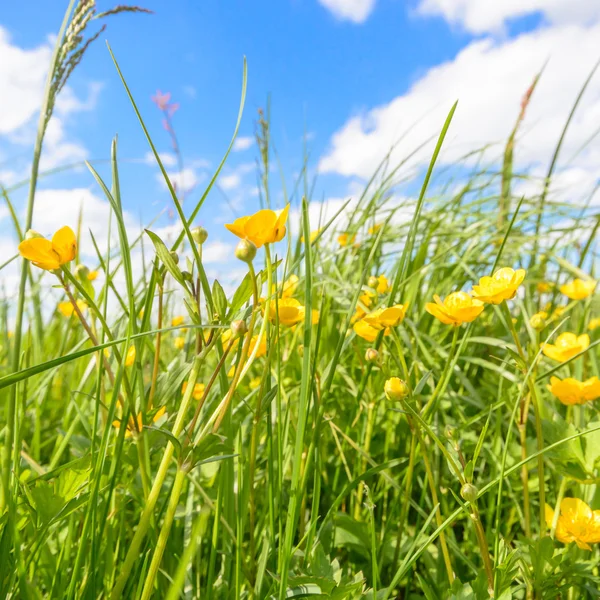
x=82, y=271
x=538, y=321
x=245, y=251
x=238, y=329
x=187, y=276
x=372, y=282
x=199, y=234
x=371, y=355
x=469, y=492
x=396, y=389
x=32, y=233
x=175, y=257
x=301, y=350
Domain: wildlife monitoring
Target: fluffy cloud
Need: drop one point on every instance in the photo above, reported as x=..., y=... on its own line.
x=480, y=16
x=183, y=181
x=489, y=79
x=242, y=143
x=22, y=79
x=356, y=11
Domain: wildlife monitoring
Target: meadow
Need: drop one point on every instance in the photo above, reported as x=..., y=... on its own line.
x=396, y=401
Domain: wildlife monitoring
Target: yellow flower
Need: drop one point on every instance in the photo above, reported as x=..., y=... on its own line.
x=346, y=239
x=538, y=321
x=567, y=346
x=501, y=286
x=594, y=324
x=365, y=331
x=386, y=317
x=375, y=228
x=457, y=308
x=380, y=284
x=577, y=523
x=179, y=343
x=396, y=389
x=66, y=308
x=289, y=287
x=176, y=321
x=131, y=426
x=578, y=289
x=571, y=391
x=313, y=236
x=130, y=358
x=92, y=275
x=262, y=347
x=364, y=301
x=288, y=311
x=49, y=255
x=264, y=227
x=198, y=390
x=254, y=383
x=543, y=287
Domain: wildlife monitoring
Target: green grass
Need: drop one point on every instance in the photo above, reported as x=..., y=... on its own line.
x=289, y=473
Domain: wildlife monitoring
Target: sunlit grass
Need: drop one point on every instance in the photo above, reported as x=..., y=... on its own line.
x=395, y=401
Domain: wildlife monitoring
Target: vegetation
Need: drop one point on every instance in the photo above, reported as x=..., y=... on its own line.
x=331, y=428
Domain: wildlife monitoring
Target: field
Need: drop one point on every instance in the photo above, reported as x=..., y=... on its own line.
x=396, y=401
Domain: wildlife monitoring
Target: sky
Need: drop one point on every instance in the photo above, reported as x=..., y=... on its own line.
x=345, y=79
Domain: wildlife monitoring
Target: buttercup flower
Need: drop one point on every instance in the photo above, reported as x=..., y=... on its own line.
x=365, y=331
x=262, y=347
x=457, y=308
x=380, y=284
x=572, y=391
x=288, y=311
x=313, y=236
x=567, y=345
x=46, y=254
x=364, y=301
x=594, y=324
x=66, y=308
x=130, y=358
x=543, y=286
x=578, y=289
x=386, y=317
x=502, y=285
x=179, y=343
x=178, y=320
x=131, y=428
x=289, y=286
x=346, y=239
x=92, y=275
x=538, y=321
x=264, y=227
x=198, y=390
x=396, y=389
x=375, y=228
x=577, y=523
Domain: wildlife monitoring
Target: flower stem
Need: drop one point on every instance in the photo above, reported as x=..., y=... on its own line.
x=164, y=533
x=371, y=411
x=145, y=519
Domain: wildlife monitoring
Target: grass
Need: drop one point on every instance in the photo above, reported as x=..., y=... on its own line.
x=281, y=469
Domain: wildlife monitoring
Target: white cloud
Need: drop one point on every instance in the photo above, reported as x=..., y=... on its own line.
x=22, y=77
x=242, y=143
x=356, y=11
x=233, y=179
x=489, y=79
x=183, y=181
x=168, y=159
x=480, y=16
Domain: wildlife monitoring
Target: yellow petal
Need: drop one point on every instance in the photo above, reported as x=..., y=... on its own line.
x=237, y=227
x=64, y=244
x=40, y=252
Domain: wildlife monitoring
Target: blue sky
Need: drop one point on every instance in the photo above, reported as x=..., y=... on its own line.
x=354, y=74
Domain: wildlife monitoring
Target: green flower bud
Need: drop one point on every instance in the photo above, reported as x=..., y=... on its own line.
x=371, y=355
x=469, y=492
x=32, y=233
x=175, y=257
x=538, y=321
x=238, y=329
x=199, y=234
x=245, y=251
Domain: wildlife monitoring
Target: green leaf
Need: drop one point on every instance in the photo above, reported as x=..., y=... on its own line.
x=165, y=257
x=241, y=295
x=219, y=300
